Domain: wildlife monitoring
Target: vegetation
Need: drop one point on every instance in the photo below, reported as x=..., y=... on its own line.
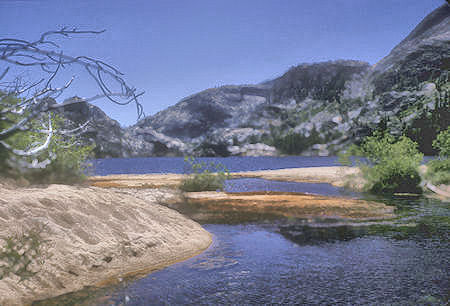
x=432, y=120
x=33, y=141
x=202, y=176
x=295, y=143
x=392, y=163
x=64, y=155
x=442, y=143
x=438, y=171
x=21, y=254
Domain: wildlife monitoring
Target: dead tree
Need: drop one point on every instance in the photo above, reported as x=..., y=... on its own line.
x=36, y=99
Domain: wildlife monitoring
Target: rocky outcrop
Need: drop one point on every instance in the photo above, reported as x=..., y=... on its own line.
x=199, y=114
x=111, y=140
x=403, y=88
x=239, y=120
x=145, y=141
x=103, y=132
x=423, y=55
x=87, y=237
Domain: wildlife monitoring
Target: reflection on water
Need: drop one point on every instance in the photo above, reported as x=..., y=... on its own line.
x=257, y=184
x=253, y=264
x=307, y=262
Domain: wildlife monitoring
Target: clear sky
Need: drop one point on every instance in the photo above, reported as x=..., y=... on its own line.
x=172, y=49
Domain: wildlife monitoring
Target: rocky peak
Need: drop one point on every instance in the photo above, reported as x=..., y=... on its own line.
x=210, y=109
x=421, y=56
x=318, y=81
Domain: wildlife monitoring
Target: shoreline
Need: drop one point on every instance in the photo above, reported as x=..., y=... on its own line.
x=91, y=237
x=75, y=214
x=335, y=175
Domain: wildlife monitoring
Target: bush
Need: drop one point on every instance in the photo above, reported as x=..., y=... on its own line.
x=67, y=157
x=442, y=143
x=393, y=164
x=438, y=171
x=204, y=176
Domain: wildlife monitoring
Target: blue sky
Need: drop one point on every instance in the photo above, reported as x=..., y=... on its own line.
x=172, y=49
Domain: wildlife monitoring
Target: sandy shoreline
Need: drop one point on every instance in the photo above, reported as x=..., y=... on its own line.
x=337, y=176
x=95, y=237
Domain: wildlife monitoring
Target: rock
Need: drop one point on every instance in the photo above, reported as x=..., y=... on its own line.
x=145, y=141
x=92, y=237
x=196, y=115
x=320, y=149
x=257, y=149
x=105, y=133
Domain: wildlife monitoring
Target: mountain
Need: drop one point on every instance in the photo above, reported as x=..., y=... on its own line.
x=105, y=133
x=312, y=109
x=230, y=119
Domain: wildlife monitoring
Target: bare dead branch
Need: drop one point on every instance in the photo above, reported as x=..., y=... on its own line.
x=4, y=73
x=35, y=150
x=46, y=55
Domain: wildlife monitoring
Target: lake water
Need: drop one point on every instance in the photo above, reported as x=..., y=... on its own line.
x=143, y=165
x=257, y=184
x=177, y=165
x=292, y=262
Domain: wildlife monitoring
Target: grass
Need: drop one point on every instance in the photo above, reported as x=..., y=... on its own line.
x=438, y=172
x=202, y=176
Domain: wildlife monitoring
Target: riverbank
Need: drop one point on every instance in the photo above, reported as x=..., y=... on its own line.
x=89, y=236
x=337, y=176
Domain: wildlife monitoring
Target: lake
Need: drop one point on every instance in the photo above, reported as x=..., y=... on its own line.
x=177, y=165
x=287, y=261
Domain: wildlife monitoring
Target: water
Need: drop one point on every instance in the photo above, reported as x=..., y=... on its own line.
x=257, y=184
x=143, y=165
x=306, y=262
x=177, y=164
x=252, y=264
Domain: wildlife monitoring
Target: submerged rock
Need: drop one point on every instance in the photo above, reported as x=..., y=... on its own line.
x=271, y=205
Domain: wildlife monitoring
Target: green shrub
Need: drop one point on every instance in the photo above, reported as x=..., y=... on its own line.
x=438, y=171
x=442, y=143
x=67, y=156
x=68, y=166
x=203, y=176
x=393, y=164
